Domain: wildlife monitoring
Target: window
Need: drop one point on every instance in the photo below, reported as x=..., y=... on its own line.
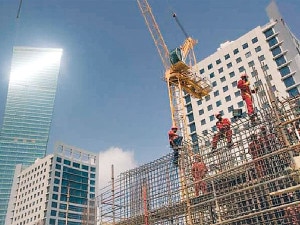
x=284, y=71
x=210, y=66
x=232, y=74
x=254, y=40
x=57, y=166
x=276, y=51
x=54, y=204
x=273, y=41
x=258, y=49
x=218, y=61
x=214, y=83
x=220, y=70
x=251, y=63
x=77, y=165
x=55, y=189
x=211, y=118
x=228, y=98
x=209, y=107
x=58, y=159
x=234, y=83
x=191, y=117
x=230, y=109
x=207, y=97
x=261, y=58
x=203, y=122
x=280, y=60
x=189, y=108
x=222, y=79
x=199, y=102
x=237, y=93
x=216, y=93
x=293, y=92
x=218, y=103
x=269, y=32
x=201, y=112
x=67, y=162
x=245, y=45
x=225, y=88
x=53, y=212
x=57, y=174
x=265, y=67
x=248, y=54
x=212, y=75
x=241, y=104
x=201, y=71
x=227, y=56
x=289, y=81
x=187, y=99
x=236, y=51
x=254, y=73
x=229, y=65
x=241, y=69
x=192, y=127
x=238, y=60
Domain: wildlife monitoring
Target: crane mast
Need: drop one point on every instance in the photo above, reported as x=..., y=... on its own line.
x=181, y=78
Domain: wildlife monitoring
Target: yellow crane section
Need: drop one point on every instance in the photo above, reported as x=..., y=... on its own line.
x=181, y=77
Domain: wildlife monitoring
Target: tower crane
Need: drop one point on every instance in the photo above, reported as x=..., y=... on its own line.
x=182, y=78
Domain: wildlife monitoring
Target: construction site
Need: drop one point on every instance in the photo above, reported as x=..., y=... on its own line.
x=254, y=181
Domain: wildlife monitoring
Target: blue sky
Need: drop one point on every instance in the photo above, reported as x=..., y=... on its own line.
x=110, y=92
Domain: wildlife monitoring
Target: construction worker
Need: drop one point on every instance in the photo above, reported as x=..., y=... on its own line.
x=199, y=171
x=223, y=125
x=174, y=139
x=255, y=150
x=246, y=92
x=292, y=215
x=175, y=143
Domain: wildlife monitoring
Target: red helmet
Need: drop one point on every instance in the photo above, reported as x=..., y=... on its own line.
x=244, y=75
x=174, y=128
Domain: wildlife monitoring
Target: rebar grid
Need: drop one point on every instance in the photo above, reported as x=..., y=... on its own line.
x=256, y=181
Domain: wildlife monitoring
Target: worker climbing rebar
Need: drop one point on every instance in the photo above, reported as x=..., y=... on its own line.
x=175, y=141
x=246, y=93
x=199, y=171
x=223, y=125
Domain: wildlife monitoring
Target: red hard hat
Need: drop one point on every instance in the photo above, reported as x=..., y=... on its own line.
x=174, y=128
x=244, y=75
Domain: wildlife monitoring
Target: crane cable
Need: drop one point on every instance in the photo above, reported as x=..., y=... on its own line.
x=177, y=20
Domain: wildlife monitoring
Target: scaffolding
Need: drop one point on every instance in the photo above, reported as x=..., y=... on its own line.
x=256, y=181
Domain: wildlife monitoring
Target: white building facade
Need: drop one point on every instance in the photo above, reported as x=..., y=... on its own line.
x=269, y=54
x=58, y=189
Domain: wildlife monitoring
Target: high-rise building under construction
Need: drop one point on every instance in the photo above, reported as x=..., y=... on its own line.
x=28, y=113
x=256, y=180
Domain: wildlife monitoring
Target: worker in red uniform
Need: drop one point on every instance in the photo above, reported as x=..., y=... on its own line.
x=175, y=143
x=174, y=139
x=223, y=125
x=292, y=214
x=199, y=171
x=255, y=150
x=246, y=92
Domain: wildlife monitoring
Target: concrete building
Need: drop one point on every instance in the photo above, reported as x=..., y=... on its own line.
x=28, y=113
x=272, y=50
x=57, y=189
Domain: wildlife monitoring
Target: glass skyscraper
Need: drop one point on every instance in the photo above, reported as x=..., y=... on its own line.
x=28, y=113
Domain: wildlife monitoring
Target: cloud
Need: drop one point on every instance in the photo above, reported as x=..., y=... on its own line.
x=121, y=159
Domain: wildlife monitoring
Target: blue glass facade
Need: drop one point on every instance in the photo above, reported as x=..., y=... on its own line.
x=72, y=193
x=28, y=113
